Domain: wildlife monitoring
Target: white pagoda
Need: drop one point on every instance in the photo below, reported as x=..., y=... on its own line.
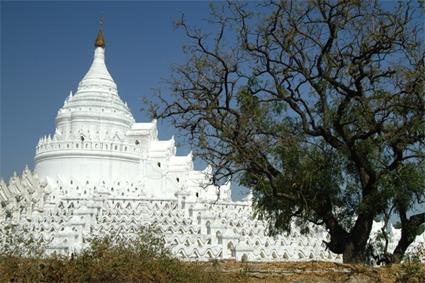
x=102, y=173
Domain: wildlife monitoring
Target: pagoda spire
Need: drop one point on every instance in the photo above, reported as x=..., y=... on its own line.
x=98, y=73
x=100, y=39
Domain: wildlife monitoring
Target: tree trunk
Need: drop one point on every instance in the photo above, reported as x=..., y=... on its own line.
x=353, y=254
x=352, y=245
x=356, y=245
x=409, y=228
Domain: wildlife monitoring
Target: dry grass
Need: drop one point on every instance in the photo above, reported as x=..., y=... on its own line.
x=146, y=260
x=117, y=265
x=232, y=271
x=114, y=264
x=143, y=259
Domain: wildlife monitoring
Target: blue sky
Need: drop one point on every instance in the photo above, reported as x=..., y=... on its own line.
x=47, y=47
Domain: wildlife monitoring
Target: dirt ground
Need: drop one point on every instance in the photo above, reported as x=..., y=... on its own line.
x=318, y=272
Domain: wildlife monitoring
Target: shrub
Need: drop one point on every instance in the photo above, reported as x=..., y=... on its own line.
x=412, y=270
x=17, y=241
x=141, y=259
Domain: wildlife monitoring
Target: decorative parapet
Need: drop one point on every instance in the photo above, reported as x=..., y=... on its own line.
x=222, y=229
x=22, y=196
x=47, y=145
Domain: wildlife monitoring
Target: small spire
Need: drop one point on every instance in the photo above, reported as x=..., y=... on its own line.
x=100, y=39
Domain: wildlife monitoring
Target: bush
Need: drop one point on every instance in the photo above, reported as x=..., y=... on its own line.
x=17, y=241
x=412, y=270
x=142, y=259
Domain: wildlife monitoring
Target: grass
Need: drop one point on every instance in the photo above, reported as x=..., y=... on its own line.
x=145, y=259
x=116, y=265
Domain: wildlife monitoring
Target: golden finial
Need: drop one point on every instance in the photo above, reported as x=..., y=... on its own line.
x=100, y=39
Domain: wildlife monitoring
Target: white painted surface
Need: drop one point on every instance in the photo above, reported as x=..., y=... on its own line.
x=102, y=173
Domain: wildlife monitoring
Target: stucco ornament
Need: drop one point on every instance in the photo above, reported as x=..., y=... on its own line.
x=103, y=173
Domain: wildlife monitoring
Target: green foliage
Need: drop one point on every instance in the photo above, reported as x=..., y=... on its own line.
x=142, y=259
x=310, y=173
x=318, y=106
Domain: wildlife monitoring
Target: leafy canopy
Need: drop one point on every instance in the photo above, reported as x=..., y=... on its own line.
x=318, y=106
